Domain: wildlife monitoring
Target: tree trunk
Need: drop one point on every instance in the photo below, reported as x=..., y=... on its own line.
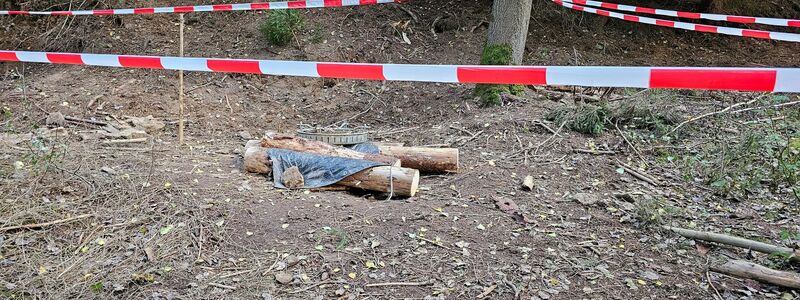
x=508, y=32
x=509, y=26
x=400, y=181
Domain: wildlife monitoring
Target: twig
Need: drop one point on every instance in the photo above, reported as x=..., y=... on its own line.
x=312, y=286
x=712, y=114
x=762, y=107
x=114, y=142
x=181, y=104
x=711, y=284
x=635, y=150
x=486, y=292
x=79, y=120
x=222, y=286
x=464, y=130
x=594, y=151
x=391, y=132
x=40, y=225
x=409, y=12
x=235, y=274
x=385, y=284
x=640, y=175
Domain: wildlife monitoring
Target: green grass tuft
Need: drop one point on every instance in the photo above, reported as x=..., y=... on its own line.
x=280, y=26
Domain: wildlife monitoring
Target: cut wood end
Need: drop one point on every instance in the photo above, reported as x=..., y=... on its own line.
x=414, y=183
x=252, y=143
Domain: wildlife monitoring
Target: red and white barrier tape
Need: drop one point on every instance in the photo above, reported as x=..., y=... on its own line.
x=202, y=8
x=769, y=35
x=742, y=79
x=690, y=15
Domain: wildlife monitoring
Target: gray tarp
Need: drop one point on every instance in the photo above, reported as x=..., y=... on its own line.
x=318, y=170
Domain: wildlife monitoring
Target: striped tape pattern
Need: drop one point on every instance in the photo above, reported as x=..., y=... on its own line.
x=204, y=8
x=769, y=35
x=741, y=79
x=689, y=15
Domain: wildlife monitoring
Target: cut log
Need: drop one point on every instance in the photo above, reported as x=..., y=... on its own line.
x=432, y=160
x=748, y=270
x=252, y=143
x=792, y=254
x=256, y=160
x=404, y=181
x=299, y=144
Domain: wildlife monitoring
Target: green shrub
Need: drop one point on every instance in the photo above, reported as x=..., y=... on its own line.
x=586, y=119
x=280, y=26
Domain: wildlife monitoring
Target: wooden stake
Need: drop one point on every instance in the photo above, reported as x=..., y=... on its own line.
x=181, y=105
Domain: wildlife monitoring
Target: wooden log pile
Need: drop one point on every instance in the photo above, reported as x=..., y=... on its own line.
x=400, y=176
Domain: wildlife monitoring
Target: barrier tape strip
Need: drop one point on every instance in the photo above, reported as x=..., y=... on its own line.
x=741, y=79
x=769, y=35
x=690, y=15
x=204, y=8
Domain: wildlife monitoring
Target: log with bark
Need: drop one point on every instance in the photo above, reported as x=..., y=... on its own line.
x=432, y=160
x=748, y=270
x=387, y=179
x=299, y=144
x=792, y=254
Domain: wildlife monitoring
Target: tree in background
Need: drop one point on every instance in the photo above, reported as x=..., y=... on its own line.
x=508, y=32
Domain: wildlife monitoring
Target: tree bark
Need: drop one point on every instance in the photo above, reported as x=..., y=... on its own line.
x=748, y=270
x=792, y=254
x=432, y=160
x=509, y=26
x=299, y=144
x=400, y=181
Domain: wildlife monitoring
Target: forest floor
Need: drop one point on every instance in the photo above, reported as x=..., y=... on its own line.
x=186, y=222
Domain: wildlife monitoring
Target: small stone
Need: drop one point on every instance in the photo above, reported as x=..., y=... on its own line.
x=148, y=124
x=245, y=135
x=108, y=170
x=55, y=119
x=293, y=179
x=586, y=199
x=292, y=260
x=284, y=277
x=528, y=183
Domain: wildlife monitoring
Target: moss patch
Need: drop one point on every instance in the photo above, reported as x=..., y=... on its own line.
x=501, y=55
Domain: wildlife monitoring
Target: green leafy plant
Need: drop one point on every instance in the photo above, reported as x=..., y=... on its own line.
x=341, y=237
x=280, y=26
x=44, y=155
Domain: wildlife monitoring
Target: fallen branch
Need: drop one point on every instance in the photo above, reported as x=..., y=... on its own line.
x=748, y=270
x=79, y=120
x=639, y=175
x=712, y=114
x=794, y=255
x=222, y=286
x=128, y=141
x=385, y=284
x=596, y=152
x=40, y=225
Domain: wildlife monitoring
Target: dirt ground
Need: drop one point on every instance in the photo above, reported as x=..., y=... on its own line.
x=185, y=222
